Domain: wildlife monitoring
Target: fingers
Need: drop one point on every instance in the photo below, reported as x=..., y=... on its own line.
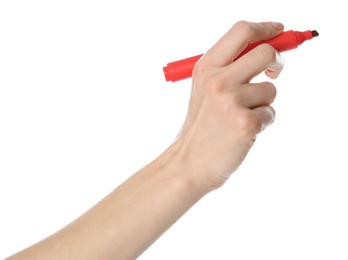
x=237, y=38
x=262, y=58
x=266, y=116
x=259, y=94
x=256, y=98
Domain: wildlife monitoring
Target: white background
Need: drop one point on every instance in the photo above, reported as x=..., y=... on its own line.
x=84, y=104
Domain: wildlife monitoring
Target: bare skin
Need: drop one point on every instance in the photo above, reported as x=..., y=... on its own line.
x=225, y=115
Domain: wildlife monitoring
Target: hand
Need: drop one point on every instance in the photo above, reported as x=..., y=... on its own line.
x=226, y=111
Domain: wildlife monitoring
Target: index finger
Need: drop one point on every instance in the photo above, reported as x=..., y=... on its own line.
x=264, y=57
x=237, y=38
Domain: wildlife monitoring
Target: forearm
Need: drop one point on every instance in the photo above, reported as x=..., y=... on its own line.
x=226, y=113
x=128, y=220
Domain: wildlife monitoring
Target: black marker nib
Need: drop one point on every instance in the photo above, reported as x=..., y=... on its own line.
x=315, y=34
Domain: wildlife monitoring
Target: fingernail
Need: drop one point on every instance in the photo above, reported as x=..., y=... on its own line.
x=279, y=59
x=278, y=26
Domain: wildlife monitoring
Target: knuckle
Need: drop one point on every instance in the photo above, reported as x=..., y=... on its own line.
x=243, y=27
x=200, y=69
x=248, y=123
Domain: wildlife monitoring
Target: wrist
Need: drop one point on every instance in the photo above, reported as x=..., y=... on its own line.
x=186, y=171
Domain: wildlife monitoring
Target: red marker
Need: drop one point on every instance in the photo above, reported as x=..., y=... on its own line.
x=285, y=41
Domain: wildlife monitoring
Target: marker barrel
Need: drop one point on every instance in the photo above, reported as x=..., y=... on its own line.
x=182, y=69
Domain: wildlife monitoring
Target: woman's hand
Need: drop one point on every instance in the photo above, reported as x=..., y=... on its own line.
x=226, y=111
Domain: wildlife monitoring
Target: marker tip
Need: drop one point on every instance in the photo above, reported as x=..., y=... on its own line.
x=315, y=33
